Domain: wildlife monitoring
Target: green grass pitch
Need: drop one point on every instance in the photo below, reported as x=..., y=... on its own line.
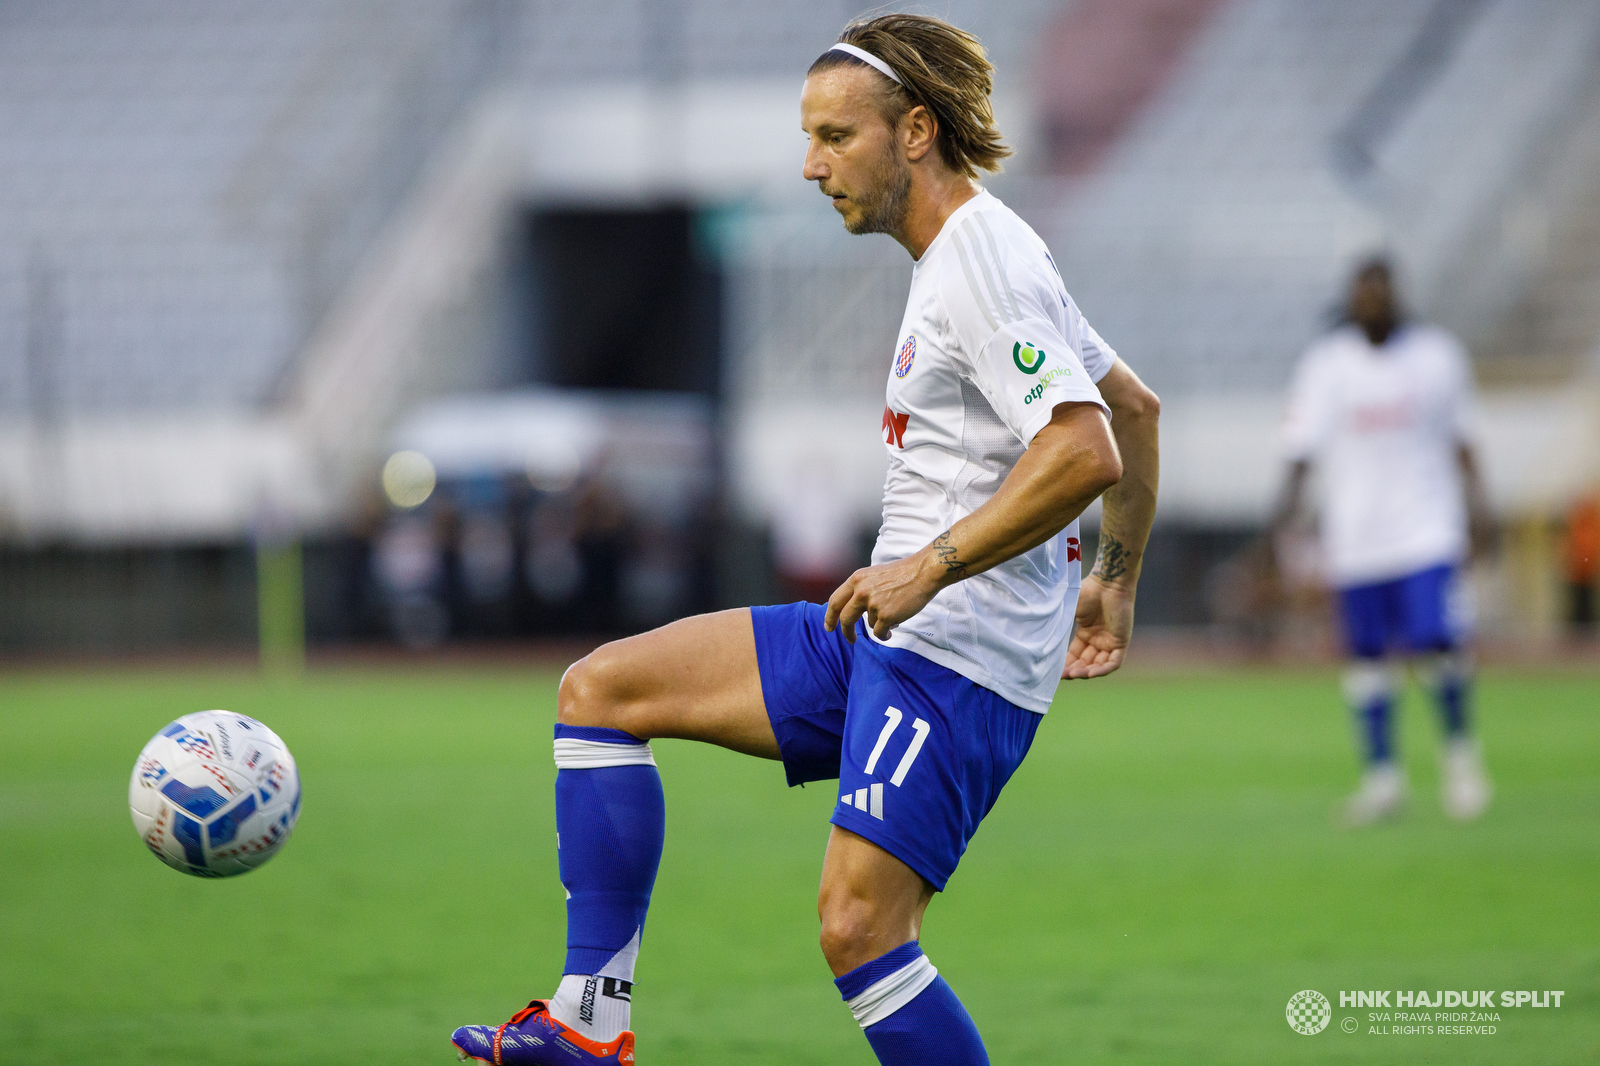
x=1157, y=881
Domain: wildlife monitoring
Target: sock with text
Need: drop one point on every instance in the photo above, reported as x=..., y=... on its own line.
x=610, y=823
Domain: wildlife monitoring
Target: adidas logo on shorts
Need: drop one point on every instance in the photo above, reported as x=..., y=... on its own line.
x=869, y=800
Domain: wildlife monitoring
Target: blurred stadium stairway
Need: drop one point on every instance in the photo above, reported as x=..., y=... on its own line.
x=187, y=189
x=1548, y=330
x=201, y=179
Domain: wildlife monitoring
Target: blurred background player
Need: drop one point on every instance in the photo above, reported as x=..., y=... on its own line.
x=1380, y=408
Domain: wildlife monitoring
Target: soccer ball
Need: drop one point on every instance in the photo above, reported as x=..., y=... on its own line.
x=214, y=794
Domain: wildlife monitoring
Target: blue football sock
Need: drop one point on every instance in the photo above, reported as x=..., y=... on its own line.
x=910, y=1015
x=1451, y=681
x=1370, y=689
x=610, y=823
x=1377, y=729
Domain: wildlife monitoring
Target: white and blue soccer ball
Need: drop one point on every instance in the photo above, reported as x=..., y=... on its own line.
x=215, y=794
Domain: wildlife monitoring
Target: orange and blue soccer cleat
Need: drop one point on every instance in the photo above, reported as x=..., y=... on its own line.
x=533, y=1038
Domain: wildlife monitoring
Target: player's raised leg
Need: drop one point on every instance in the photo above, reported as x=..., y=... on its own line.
x=695, y=679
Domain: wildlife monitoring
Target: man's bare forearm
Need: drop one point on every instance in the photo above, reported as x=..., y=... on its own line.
x=1480, y=519
x=1477, y=497
x=1070, y=462
x=1292, y=496
x=1129, y=506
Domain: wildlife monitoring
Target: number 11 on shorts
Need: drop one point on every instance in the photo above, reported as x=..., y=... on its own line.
x=918, y=726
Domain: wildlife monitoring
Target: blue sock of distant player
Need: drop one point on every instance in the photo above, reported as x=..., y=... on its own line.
x=1370, y=689
x=1451, y=681
x=910, y=1015
x=610, y=823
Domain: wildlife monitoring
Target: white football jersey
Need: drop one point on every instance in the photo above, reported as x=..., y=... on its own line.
x=1381, y=426
x=989, y=345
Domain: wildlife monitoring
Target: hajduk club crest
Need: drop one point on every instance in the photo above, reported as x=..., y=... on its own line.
x=908, y=352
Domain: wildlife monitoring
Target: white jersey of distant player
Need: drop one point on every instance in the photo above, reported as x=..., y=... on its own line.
x=989, y=345
x=1381, y=426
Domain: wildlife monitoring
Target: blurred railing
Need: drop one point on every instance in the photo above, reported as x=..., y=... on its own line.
x=325, y=207
x=1356, y=144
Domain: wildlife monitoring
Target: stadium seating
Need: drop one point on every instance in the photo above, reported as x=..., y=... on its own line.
x=185, y=186
x=1217, y=234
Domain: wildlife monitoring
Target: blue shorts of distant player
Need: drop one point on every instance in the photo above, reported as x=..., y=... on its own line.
x=921, y=753
x=1415, y=613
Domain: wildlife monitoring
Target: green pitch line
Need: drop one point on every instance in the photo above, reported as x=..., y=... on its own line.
x=1155, y=884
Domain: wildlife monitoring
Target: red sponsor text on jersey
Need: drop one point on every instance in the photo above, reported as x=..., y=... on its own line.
x=1380, y=417
x=894, y=427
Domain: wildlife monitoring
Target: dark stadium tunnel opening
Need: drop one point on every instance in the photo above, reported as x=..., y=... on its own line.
x=619, y=298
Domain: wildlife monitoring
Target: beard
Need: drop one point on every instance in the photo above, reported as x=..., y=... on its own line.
x=888, y=196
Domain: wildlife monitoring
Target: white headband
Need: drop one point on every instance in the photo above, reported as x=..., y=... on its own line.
x=869, y=59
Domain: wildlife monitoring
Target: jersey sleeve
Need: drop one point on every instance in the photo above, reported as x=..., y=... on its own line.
x=1097, y=356
x=1025, y=369
x=1006, y=328
x=1307, y=417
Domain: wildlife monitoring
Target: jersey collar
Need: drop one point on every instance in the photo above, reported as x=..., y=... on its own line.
x=971, y=207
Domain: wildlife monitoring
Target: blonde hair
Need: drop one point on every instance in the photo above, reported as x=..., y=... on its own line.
x=941, y=67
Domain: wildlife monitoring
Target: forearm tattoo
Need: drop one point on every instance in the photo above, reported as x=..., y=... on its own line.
x=954, y=567
x=1111, y=558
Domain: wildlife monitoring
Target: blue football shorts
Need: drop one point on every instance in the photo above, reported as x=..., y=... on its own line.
x=920, y=752
x=1419, y=612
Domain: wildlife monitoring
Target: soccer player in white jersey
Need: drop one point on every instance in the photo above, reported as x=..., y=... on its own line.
x=1381, y=407
x=922, y=682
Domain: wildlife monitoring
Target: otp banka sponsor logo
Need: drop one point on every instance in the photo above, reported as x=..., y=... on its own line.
x=1044, y=382
x=1030, y=360
x=902, y=362
x=894, y=427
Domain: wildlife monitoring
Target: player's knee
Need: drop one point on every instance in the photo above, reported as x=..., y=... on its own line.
x=588, y=694
x=852, y=933
x=843, y=938
x=1369, y=681
x=1444, y=666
